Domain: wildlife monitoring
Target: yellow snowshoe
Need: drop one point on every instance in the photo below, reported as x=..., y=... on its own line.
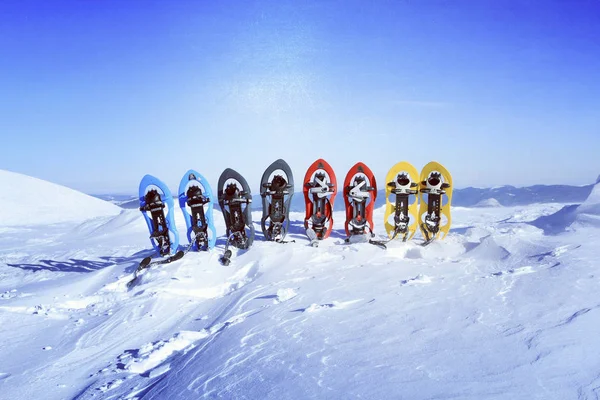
x=401, y=217
x=435, y=197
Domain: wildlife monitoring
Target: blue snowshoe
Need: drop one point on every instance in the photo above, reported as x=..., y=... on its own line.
x=156, y=204
x=196, y=201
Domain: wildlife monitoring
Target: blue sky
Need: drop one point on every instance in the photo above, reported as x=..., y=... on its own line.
x=95, y=94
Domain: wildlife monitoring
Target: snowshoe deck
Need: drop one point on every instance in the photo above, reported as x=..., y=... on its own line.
x=434, y=214
x=156, y=204
x=196, y=202
x=360, y=192
x=319, y=187
x=276, y=190
x=401, y=210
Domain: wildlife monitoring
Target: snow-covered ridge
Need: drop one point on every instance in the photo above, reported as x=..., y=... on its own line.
x=25, y=200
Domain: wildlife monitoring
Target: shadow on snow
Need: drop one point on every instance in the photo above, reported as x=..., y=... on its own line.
x=79, y=265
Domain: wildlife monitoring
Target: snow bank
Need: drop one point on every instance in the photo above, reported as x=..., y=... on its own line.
x=25, y=200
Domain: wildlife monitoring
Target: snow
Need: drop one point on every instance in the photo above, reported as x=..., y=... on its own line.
x=498, y=310
x=29, y=201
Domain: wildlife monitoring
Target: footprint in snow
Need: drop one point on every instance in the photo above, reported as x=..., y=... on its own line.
x=334, y=304
x=9, y=294
x=515, y=271
x=419, y=279
x=281, y=296
x=563, y=249
x=557, y=252
x=111, y=385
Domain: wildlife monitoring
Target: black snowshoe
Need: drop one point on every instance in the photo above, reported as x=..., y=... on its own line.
x=196, y=200
x=234, y=199
x=276, y=190
x=160, y=232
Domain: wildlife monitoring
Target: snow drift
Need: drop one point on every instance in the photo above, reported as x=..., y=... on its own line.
x=588, y=213
x=30, y=201
x=573, y=216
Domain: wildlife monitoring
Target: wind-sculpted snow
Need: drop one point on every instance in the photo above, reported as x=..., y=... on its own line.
x=589, y=212
x=29, y=201
x=573, y=216
x=498, y=310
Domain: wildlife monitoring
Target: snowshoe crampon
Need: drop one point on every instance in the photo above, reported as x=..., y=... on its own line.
x=196, y=202
x=276, y=190
x=360, y=192
x=320, y=188
x=435, y=197
x=401, y=201
x=234, y=199
x=156, y=204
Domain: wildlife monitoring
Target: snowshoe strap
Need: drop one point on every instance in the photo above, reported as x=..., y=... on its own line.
x=320, y=187
x=359, y=193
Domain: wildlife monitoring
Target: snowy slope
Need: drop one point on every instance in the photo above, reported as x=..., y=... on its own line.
x=30, y=201
x=496, y=311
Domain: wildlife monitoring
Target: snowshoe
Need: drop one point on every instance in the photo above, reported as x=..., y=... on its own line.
x=360, y=192
x=234, y=199
x=320, y=188
x=434, y=213
x=276, y=190
x=196, y=202
x=401, y=214
x=156, y=204
x=147, y=263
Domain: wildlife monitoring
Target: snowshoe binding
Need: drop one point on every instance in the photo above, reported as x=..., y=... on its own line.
x=156, y=204
x=320, y=188
x=234, y=199
x=196, y=202
x=401, y=217
x=434, y=213
x=276, y=190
